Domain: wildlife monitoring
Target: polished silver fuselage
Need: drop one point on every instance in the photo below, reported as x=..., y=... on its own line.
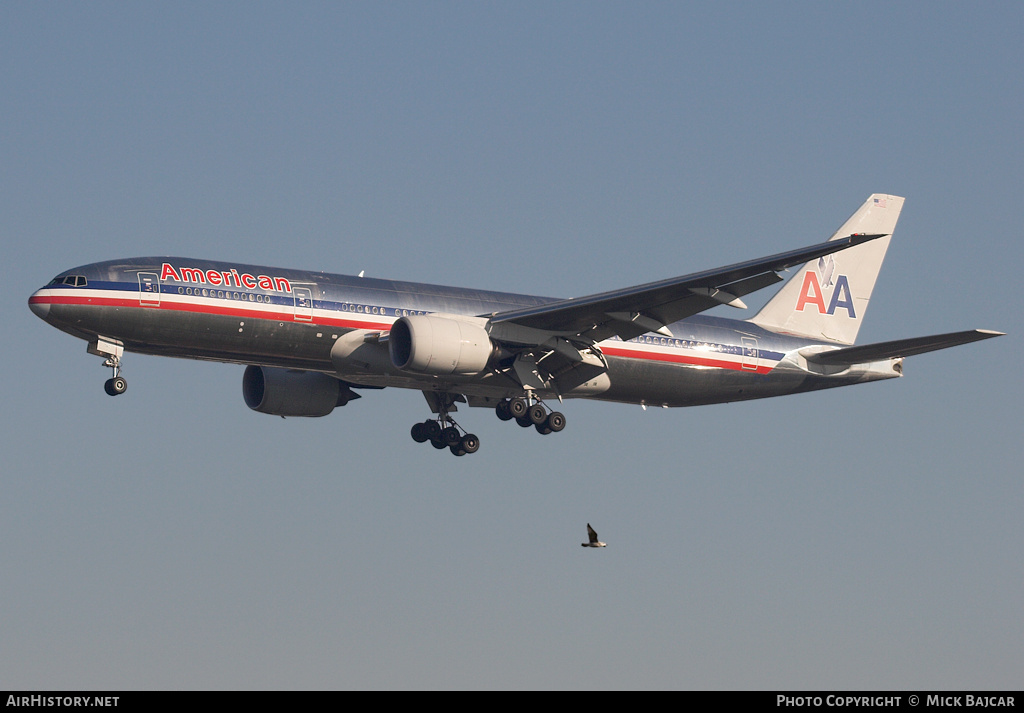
x=245, y=314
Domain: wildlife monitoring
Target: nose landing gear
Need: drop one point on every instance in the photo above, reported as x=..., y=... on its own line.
x=112, y=351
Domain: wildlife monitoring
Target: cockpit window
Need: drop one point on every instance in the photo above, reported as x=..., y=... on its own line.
x=73, y=280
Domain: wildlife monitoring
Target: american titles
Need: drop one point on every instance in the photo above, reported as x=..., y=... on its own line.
x=227, y=278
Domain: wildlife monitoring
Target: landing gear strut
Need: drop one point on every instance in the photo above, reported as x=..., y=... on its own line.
x=528, y=414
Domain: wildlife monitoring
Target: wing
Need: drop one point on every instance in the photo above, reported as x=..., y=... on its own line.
x=591, y=533
x=899, y=348
x=633, y=311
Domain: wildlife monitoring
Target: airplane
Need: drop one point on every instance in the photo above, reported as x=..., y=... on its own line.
x=309, y=340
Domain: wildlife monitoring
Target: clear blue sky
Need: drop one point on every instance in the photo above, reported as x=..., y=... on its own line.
x=866, y=537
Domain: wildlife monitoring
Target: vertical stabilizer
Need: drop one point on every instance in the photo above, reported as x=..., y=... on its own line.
x=827, y=298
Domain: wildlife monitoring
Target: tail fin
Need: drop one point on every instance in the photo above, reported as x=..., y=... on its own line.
x=827, y=298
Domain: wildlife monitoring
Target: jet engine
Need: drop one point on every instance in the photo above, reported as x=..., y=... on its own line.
x=284, y=392
x=439, y=345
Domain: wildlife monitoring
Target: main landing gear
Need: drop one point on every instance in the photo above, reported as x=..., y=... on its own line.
x=116, y=385
x=445, y=433
x=528, y=414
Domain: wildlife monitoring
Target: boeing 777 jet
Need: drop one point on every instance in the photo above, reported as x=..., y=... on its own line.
x=310, y=341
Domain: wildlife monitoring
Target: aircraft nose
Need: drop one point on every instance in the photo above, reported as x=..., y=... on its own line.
x=39, y=308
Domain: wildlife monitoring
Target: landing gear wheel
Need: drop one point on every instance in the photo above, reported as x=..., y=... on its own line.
x=431, y=429
x=542, y=428
x=537, y=414
x=116, y=386
x=524, y=421
x=555, y=421
x=419, y=433
x=469, y=443
x=503, y=410
x=518, y=407
x=457, y=450
x=438, y=443
x=450, y=436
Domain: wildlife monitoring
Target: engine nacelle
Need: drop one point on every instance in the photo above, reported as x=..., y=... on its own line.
x=439, y=345
x=283, y=392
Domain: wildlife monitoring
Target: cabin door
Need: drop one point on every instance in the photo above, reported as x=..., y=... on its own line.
x=149, y=289
x=303, y=303
x=749, y=354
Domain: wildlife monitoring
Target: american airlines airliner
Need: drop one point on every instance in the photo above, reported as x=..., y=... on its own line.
x=310, y=341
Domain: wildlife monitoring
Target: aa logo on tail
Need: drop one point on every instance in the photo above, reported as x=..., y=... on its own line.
x=814, y=289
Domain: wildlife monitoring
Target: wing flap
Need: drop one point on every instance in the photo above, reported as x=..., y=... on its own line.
x=899, y=348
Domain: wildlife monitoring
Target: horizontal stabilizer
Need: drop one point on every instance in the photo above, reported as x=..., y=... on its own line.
x=899, y=348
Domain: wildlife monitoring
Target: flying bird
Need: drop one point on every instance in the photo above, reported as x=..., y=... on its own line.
x=593, y=538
